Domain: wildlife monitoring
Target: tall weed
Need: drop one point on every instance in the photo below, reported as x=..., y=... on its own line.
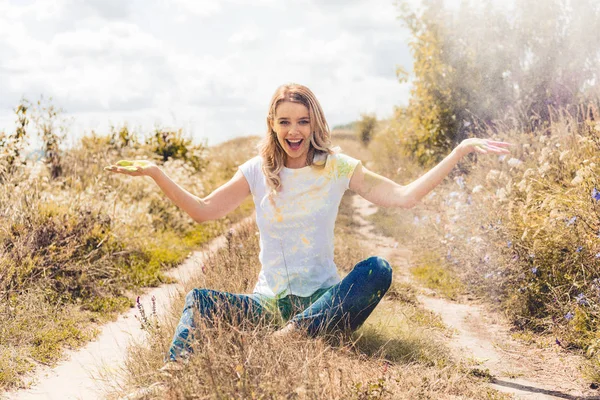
x=522, y=230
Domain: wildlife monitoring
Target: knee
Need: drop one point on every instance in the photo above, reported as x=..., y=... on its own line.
x=195, y=297
x=380, y=271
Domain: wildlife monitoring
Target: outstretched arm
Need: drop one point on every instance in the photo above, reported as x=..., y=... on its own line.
x=384, y=192
x=219, y=203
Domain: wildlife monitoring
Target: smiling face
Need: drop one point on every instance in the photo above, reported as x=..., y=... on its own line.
x=293, y=127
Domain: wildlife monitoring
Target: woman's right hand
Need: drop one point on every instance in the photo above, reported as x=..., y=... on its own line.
x=133, y=168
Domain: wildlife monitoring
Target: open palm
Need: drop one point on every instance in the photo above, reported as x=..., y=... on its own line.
x=483, y=146
x=132, y=167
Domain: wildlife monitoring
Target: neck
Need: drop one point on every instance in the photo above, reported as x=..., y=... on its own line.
x=296, y=163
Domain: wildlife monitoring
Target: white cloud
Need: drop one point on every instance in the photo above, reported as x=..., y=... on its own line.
x=210, y=66
x=248, y=34
x=201, y=8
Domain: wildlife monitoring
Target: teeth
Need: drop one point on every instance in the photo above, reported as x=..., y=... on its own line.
x=298, y=141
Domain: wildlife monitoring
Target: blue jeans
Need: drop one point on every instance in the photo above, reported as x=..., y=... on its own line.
x=344, y=306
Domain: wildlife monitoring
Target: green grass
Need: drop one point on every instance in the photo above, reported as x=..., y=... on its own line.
x=433, y=275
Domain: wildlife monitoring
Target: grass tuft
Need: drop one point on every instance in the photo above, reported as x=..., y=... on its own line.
x=432, y=274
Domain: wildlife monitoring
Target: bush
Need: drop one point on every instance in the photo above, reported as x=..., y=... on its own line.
x=11, y=146
x=480, y=64
x=522, y=230
x=366, y=128
x=170, y=144
x=48, y=122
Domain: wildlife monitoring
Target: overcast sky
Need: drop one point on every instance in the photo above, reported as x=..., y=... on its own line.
x=208, y=66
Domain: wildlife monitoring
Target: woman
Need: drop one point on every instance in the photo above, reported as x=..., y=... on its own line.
x=297, y=183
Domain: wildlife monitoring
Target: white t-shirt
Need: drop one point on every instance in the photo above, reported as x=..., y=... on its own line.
x=296, y=235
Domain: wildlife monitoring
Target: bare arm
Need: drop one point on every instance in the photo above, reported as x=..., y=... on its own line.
x=219, y=203
x=384, y=192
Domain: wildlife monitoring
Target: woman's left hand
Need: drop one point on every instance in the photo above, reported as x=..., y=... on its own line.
x=482, y=146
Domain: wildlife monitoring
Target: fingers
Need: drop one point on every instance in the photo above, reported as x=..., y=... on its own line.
x=133, y=171
x=491, y=146
x=496, y=143
x=498, y=149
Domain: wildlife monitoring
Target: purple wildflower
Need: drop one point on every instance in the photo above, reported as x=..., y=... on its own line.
x=579, y=248
x=569, y=316
x=596, y=194
x=581, y=300
x=571, y=220
x=597, y=255
x=509, y=244
x=534, y=270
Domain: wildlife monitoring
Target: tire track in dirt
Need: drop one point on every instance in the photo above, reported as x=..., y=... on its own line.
x=89, y=372
x=482, y=337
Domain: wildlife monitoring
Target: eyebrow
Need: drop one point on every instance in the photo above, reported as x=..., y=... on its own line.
x=284, y=118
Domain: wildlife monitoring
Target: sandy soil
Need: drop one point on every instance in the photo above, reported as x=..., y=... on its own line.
x=483, y=337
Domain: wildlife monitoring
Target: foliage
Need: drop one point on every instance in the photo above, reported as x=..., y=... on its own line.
x=171, y=145
x=479, y=64
x=12, y=145
x=74, y=250
x=48, y=122
x=522, y=230
x=122, y=137
x=366, y=127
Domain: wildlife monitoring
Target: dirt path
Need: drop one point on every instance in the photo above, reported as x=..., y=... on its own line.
x=483, y=338
x=89, y=372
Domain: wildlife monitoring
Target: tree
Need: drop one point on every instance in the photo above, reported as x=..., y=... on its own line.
x=366, y=127
x=480, y=64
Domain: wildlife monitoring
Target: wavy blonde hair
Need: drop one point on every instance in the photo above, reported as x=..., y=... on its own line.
x=273, y=155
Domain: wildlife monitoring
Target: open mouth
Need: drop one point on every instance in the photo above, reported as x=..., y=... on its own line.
x=294, y=144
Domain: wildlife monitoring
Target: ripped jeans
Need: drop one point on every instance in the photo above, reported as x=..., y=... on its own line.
x=344, y=306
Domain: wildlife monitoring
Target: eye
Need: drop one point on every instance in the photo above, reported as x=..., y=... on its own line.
x=283, y=122
x=304, y=122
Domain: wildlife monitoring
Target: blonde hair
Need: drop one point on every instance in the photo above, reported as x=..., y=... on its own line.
x=273, y=155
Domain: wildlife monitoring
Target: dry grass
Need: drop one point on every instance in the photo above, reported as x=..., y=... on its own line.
x=398, y=353
x=520, y=230
x=74, y=251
